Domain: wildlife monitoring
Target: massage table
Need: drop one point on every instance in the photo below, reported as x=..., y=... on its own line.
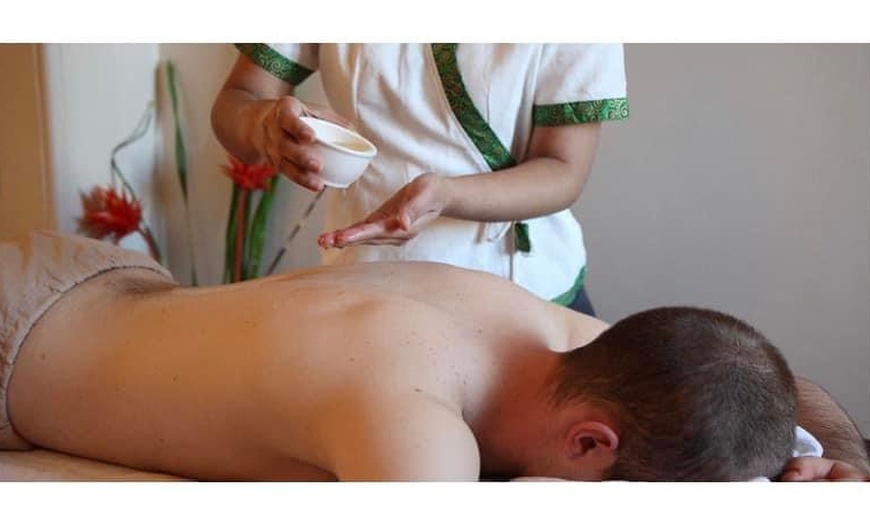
x=45, y=465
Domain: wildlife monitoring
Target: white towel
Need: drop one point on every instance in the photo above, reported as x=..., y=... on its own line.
x=805, y=445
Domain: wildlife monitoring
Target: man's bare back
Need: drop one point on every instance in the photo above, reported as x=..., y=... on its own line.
x=309, y=375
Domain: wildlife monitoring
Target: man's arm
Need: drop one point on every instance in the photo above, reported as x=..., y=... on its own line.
x=401, y=438
x=820, y=414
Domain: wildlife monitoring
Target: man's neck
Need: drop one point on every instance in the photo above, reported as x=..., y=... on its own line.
x=513, y=419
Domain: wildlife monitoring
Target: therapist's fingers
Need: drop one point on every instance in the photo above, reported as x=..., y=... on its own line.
x=411, y=209
x=310, y=180
x=301, y=166
x=384, y=227
x=287, y=141
x=324, y=113
x=818, y=468
x=387, y=231
x=283, y=121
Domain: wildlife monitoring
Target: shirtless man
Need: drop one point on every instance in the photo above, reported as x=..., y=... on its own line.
x=370, y=371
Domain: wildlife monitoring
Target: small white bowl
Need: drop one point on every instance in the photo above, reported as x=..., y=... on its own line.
x=345, y=154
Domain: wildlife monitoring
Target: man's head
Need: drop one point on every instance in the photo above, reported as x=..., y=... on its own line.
x=680, y=394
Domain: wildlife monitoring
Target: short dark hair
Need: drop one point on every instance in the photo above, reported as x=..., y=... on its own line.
x=696, y=395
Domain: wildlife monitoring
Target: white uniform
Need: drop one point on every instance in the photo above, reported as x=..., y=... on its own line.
x=458, y=110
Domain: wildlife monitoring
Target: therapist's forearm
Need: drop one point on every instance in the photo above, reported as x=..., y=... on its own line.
x=558, y=162
x=538, y=187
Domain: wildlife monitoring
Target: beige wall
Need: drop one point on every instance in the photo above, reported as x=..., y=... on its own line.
x=25, y=191
x=742, y=182
x=95, y=96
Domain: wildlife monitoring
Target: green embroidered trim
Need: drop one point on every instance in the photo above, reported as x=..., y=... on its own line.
x=522, y=242
x=497, y=156
x=566, y=298
x=580, y=112
x=276, y=64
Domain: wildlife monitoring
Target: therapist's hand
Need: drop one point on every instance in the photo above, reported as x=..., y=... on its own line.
x=285, y=139
x=820, y=468
x=399, y=219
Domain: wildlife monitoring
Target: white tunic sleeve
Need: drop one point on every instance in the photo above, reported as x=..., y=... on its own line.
x=580, y=83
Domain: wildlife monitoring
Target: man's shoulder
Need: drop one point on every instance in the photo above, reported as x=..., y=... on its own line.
x=403, y=435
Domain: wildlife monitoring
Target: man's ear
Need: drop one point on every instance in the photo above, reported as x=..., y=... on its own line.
x=592, y=441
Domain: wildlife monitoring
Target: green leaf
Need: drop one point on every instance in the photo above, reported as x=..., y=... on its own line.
x=180, y=148
x=257, y=232
x=180, y=157
x=245, y=219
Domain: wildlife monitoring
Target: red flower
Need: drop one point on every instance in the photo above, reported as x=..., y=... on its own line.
x=108, y=211
x=249, y=176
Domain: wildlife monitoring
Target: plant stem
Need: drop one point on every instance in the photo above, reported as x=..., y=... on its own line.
x=257, y=230
x=240, y=234
x=295, y=231
x=230, y=235
x=153, y=248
